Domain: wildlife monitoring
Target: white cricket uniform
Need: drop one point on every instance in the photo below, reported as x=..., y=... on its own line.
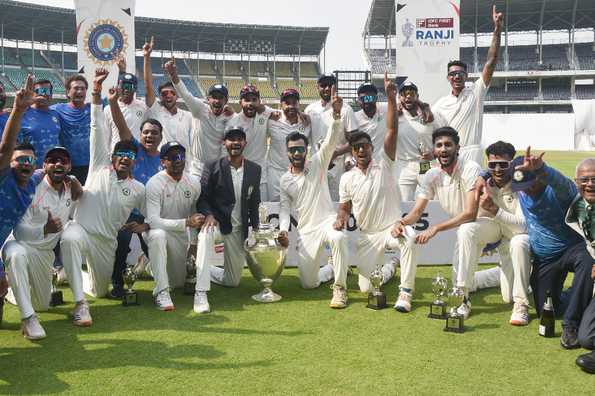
x=29, y=254
x=177, y=127
x=375, y=127
x=277, y=160
x=307, y=192
x=376, y=205
x=234, y=256
x=412, y=132
x=256, y=129
x=100, y=213
x=508, y=227
x=134, y=114
x=208, y=139
x=464, y=113
x=169, y=204
x=349, y=123
x=451, y=191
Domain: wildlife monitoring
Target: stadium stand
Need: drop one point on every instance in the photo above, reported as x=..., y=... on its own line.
x=309, y=89
x=265, y=88
x=234, y=85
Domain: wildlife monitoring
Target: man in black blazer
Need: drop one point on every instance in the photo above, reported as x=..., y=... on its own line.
x=229, y=199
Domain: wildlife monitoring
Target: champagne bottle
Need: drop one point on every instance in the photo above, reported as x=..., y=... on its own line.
x=547, y=323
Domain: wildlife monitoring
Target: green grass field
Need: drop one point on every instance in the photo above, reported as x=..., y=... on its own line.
x=296, y=346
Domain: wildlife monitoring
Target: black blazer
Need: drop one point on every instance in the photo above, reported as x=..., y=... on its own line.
x=217, y=195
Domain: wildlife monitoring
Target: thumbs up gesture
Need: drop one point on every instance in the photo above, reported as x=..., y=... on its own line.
x=53, y=225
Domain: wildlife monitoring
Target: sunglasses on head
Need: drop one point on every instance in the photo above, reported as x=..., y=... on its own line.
x=179, y=156
x=585, y=180
x=368, y=98
x=43, y=91
x=126, y=154
x=56, y=159
x=455, y=73
x=296, y=149
x=502, y=164
x=25, y=159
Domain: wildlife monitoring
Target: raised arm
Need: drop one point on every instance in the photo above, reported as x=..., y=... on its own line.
x=197, y=107
x=22, y=101
x=492, y=61
x=390, y=139
x=334, y=133
x=148, y=73
x=117, y=116
x=100, y=135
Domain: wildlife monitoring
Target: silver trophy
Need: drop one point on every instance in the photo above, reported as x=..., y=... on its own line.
x=454, y=320
x=438, y=306
x=376, y=298
x=130, y=297
x=56, y=298
x=424, y=164
x=265, y=257
x=190, y=282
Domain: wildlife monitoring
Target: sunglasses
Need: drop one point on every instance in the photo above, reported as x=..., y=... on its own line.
x=167, y=92
x=359, y=146
x=55, y=160
x=43, y=91
x=126, y=86
x=368, y=98
x=131, y=155
x=296, y=149
x=585, y=180
x=176, y=156
x=502, y=164
x=25, y=159
x=459, y=73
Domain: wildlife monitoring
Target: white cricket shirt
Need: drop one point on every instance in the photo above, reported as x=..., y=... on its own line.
x=278, y=131
x=256, y=129
x=134, y=114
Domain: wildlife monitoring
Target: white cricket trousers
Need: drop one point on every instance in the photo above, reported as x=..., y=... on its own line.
x=370, y=253
x=473, y=152
x=514, y=256
x=29, y=273
x=273, y=183
x=234, y=258
x=408, y=178
x=99, y=253
x=311, y=245
x=168, y=251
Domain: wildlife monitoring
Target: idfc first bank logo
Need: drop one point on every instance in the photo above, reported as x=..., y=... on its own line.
x=435, y=32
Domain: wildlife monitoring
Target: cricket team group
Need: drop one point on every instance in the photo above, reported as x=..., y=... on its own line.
x=78, y=180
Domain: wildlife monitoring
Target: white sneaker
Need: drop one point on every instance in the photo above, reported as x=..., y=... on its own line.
x=201, y=302
x=520, y=315
x=163, y=301
x=465, y=309
x=31, y=328
x=403, y=303
x=339, y=300
x=81, y=315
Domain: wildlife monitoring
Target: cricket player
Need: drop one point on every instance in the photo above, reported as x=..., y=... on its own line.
x=171, y=209
x=304, y=188
x=370, y=190
x=29, y=252
x=109, y=197
x=462, y=109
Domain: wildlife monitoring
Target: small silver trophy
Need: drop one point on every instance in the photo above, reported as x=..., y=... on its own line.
x=265, y=257
x=190, y=282
x=454, y=320
x=376, y=298
x=57, y=298
x=438, y=306
x=424, y=164
x=130, y=296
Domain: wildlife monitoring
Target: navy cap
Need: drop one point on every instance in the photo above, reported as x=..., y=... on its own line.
x=521, y=180
x=290, y=92
x=218, y=88
x=57, y=149
x=128, y=78
x=168, y=146
x=234, y=131
x=327, y=78
x=367, y=87
x=407, y=85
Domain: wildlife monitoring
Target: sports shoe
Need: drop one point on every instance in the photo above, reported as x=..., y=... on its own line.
x=116, y=293
x=81, y=315
x=465, y=309
x=403, y=303
x=31, y=328
x=201, y=303
x=339, y=299
x=163, y=301
x=587, y=362
x=569, y=339
x=520, y=315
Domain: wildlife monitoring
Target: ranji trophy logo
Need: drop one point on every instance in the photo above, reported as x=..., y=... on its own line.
x=408, y=28
x=105, y=40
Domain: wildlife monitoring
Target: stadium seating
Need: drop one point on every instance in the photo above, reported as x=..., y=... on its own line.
x=284, y=83
x=265, y=88
x=283, y=69
x=16, y=76
x=234, y=85
x=309, y=89
x=57, y=82
x=192, y=87
x=309, y=69
x=206, y=82
x=10, y=57
x=585, y=91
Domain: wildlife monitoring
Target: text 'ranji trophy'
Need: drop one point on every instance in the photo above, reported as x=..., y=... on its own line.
x=454, y=320
x=56, y=297
x=438, y=306
x=376, y=298
x=265, y=257
x=130, y=297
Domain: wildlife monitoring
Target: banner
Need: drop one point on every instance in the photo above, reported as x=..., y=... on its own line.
x=104, y=30
x=427, y=38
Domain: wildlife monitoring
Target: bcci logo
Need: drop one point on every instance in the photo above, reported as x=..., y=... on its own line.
x=261, y=121
x=105, y=40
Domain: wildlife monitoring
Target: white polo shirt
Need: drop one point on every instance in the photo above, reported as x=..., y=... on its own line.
x=375, y=127
x=450, y=190
x=256, y=129
x=134, y=114
x=375, y=198
x=278, y=131
x=237, y=178
x=412, y=132
x=307, y=192
x=106, y=202
x=464, y=113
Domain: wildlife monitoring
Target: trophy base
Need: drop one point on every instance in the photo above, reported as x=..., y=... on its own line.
x=57, y=298
x=437, y=310
x=266, y=296
x=376, y=301
x=189, y=288
x=129, y=298
x=454, y=324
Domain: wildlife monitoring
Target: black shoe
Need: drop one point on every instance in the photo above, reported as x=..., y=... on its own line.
x=587, y=362
x=569, y=339
x=116, y=293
